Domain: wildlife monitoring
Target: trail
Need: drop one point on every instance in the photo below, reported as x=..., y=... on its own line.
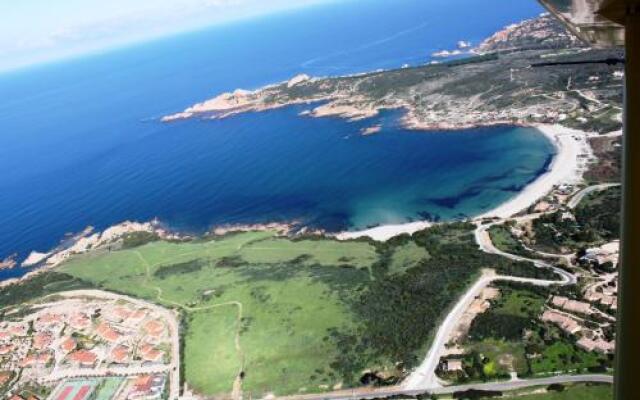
x=236, y=392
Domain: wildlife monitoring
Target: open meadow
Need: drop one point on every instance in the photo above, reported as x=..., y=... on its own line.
x=283, y=315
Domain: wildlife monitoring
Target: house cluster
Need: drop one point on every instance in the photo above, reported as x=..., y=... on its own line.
x=77, y=334
x=563, y=316
x=604, y=292
x=607, y=253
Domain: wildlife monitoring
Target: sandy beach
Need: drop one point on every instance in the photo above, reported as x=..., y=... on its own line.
x=567, y=167
x=385, y=232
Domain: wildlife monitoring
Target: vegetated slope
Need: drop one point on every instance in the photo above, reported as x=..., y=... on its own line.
x=532, y=72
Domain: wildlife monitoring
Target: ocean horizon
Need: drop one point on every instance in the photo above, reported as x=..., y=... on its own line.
x=84, y=144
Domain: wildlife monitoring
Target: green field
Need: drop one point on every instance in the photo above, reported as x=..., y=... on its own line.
x=290, y=315
x=280, y=296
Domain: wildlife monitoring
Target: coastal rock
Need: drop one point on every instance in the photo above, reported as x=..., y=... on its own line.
x=35, y=258
x=296, y=80
x=9, y=262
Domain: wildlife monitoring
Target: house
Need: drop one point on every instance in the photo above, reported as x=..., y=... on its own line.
x=122, y=313
x=68, y=345
x=80, y=321
x=83, y=358
x=107, y=333
x=6, y=349
x=147, y=387
x=42, y=340
x=571, y=305
x=33, y=360
x=599, y=345
x=150, y=353
x=565, y=323
x=49, y=319
x=120, y=354
x=153, y=355
x=454, y=365
x=608, y=252
x=154, y=328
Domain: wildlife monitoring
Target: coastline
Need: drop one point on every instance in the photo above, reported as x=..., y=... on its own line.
x=567, y=167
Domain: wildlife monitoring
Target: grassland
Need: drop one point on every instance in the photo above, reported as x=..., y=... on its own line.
x=281, y=296
x=290, y=315
x=503, y=240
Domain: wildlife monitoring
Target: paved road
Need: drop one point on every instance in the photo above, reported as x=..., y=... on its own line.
x=577, y=198
x=484, y=241
x=424, y=376
x=368, y=393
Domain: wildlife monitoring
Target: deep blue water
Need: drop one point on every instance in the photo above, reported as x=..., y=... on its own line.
x=81, y=144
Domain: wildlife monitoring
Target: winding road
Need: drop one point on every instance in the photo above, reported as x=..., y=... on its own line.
x=577, y=198
x=423, y=378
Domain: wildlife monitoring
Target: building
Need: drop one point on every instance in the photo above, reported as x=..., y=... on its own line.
x=571, y=305
x=147, y=387
x=83, y=358
x=120, y=354
x=564, y=322
x=107, y=333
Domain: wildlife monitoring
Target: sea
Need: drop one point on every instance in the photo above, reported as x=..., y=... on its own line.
x=82, y=144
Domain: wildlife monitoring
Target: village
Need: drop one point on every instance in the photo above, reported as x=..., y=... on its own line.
x=80, y=347
x=585, y=316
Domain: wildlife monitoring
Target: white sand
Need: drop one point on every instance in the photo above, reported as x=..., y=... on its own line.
x=566, y=168
x=386, y=232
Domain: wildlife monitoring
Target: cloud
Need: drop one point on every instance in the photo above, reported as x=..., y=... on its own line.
x=65, y=27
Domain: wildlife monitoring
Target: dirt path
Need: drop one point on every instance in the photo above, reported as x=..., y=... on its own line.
x=236, y=392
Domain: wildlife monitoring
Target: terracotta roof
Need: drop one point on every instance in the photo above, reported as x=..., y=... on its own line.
x=5, y=349
x=153, y=355
x=41, y=340
x=122, y=312
x=68, y=344
x=143, y=383
x=84, y=357
x=79, y=321
x=120, y=353
x=106, y=332
x=154, y=327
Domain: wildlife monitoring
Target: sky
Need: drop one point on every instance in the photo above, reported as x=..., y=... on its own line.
x=36, y=31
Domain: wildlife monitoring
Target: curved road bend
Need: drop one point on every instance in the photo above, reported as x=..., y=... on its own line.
x=577, y=198
x=424, y=376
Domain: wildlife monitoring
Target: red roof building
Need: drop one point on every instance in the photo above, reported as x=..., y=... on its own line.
x=68, y=345
x=120, y=354
x=106, y=332
x=84, y=358
x=154, y=328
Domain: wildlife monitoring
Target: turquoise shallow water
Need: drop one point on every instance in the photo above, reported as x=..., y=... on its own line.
x=81, y=143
